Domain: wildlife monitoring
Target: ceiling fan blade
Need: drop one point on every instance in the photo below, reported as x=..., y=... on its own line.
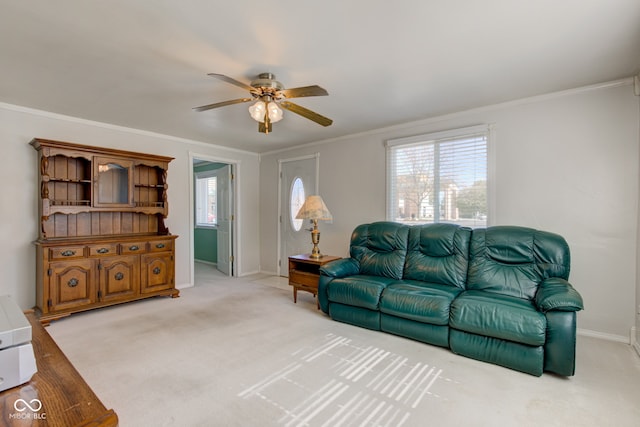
x=232, y=81
x=299, y=92
x=306, y=113
x=222, y=104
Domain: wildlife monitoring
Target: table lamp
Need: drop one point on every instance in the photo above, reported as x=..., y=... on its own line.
x=314, y=209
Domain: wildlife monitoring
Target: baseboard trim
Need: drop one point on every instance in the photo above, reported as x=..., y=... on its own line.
x=201, y=261
x=603, y=336
x=249, y=273
x=271, y=273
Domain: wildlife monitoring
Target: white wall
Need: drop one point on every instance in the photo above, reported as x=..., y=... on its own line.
x=564, y=162
x=19, y=190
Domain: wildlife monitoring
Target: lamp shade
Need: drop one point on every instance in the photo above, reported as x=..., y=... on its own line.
x=314, y=208
x=257, y=111
x=275, y=112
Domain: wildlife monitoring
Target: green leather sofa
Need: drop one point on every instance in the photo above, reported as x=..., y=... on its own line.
x=498, y=294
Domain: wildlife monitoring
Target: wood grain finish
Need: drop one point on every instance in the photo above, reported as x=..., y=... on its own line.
x=102, y=238
x=66, y=398
x=304, y=273
x=81, y=274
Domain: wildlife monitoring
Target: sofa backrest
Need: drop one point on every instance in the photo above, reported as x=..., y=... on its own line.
x=380, y=248
x=438, y=253
x=514, y=260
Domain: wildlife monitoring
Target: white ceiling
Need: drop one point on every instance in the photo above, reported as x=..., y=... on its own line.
x=144, y=64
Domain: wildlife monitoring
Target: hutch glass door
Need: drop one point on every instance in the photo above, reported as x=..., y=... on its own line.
x=113, y=179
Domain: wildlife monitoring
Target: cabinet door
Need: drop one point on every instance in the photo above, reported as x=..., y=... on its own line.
x=113, y=179
x=119, y=278
x=71, y=284
x=157, y=272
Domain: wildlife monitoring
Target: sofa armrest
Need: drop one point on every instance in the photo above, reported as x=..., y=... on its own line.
x=557, y=294
x=335, y=269
x=340, y=268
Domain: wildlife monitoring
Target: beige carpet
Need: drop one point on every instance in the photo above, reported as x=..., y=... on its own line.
x=239, y=352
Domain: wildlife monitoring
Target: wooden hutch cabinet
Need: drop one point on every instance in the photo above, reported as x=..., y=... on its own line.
x=102, y=236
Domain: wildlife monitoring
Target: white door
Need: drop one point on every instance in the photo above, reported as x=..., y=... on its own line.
x=225, y=218
x=298, y=180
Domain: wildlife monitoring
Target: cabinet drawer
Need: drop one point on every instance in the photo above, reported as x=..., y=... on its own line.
x=66, y=252
x=103, y=249
x=133, y=248
x=160, y=245
x=303, y=278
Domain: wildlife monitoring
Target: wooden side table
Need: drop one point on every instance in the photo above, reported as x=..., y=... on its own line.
x=304, y=273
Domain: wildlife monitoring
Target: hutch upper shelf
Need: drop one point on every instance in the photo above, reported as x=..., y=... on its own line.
x=77, y=179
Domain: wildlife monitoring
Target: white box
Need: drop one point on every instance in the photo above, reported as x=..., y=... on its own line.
x=14, y=327
x=17, y=361
x=17, y=365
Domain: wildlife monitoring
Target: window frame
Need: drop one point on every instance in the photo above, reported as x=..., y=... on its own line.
x=435, y=138
x=201, y=176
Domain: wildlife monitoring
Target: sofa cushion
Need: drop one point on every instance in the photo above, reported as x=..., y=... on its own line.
x=438, y=253
x=419, y=301
x=358, y=316
x=380, y=248
x=499, y=316
x=359, y=290
x=425, y=332
x=521, y=357
x=514, y=260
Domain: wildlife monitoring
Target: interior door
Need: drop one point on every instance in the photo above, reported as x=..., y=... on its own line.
x=225, y=217
x=298, y=180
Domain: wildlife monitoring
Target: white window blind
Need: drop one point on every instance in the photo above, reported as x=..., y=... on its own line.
x=439, y=177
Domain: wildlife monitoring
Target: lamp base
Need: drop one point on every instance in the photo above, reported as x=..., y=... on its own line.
x=315, y=255
x=315, y=239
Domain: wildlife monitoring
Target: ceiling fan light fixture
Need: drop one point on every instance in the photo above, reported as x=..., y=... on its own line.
x=257, y=111
x=270, y=108
x=271, y=98
x=275, y=112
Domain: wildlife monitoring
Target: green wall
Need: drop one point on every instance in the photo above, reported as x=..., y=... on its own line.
x=205, y=244
x=205, y=240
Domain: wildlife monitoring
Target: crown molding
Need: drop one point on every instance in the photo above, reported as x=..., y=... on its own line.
x=450, y=116
x=118, y=128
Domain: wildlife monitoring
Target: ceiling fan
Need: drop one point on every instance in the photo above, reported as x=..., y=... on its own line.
x=270, y=95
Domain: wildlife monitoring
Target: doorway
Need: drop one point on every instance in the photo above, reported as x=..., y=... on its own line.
x=298, y=180
x=213, y=213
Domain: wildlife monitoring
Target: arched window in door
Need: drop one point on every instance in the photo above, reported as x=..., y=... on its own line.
x=296, y=198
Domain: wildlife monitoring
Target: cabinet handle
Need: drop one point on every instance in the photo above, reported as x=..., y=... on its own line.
x=103, y=251
x=160, y=245
x=156, y=270
x=68, y=253
x=72, y=283
x=133, y=248
x=119, y=276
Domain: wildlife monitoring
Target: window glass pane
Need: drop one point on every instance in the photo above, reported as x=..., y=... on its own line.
x=297, y=200
x=113, y=184
x=206, y=201
x=439, y=179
